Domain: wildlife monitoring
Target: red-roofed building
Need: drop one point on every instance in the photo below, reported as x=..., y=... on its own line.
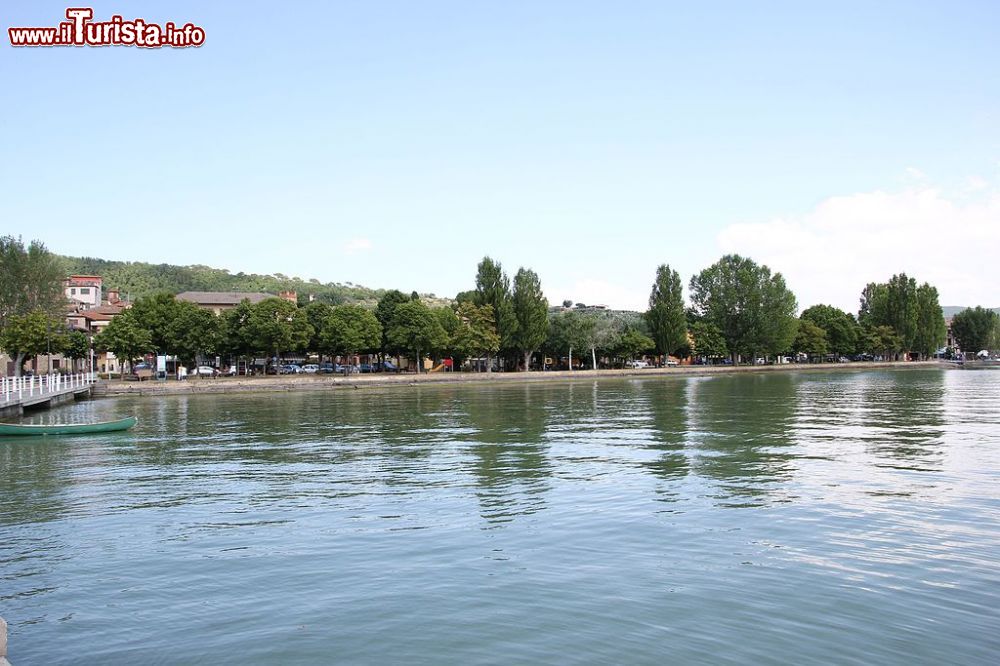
x=84, y=291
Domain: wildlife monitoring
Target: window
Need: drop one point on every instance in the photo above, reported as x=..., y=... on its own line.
x=85, y=291
x=72, y=291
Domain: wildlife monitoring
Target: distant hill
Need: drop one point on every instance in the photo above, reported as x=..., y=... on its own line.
x=952, y=310
x=137, y=279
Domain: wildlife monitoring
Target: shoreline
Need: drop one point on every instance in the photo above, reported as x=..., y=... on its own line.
x=296, y=383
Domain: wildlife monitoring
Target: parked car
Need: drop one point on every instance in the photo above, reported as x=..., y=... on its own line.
x=387, y=366
x=327, y=368
x=142, y=366
x=310, y=368
x=289, y=369
x=671, y=363
x=638, y=363
x=204, y=371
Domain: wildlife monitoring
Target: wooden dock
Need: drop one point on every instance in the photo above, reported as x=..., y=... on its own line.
x=16, y=393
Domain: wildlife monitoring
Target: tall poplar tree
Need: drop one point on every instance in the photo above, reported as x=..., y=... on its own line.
x=912, y=312
x=931, y=331
x=493, y=289
x=531, y=309
x=30, y=280
x=665, y=316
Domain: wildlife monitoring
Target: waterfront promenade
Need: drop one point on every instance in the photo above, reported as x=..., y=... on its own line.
x=319, y=382
x=16, y=393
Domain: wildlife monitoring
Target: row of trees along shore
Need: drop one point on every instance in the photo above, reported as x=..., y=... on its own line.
x=738, y=310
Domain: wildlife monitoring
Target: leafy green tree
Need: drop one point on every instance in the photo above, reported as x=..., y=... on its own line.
x=156, y=313
x=493, y=289
x=30, y=335
x=633, y=343
x=350, y=330
x=531, y=309
x=125, y=338
x=237, y=330
x=912, y=312
x=193, y=333
x=883, y=340
x=931, y=331
x=666, y=312
x=975, y=329
x=753, y=309
x=894, y=304
x=570, y=331
x=708, y=340
x=448, y=318
x=449, y=321
x=383, y=312
x=810, y=339
x=466, y=296
x=279, y=326
x=842, y=330
x=76, y=346
x=414, y=329
x=605, y=337
x=317, y=313
x=476, y=334
x=30, y=280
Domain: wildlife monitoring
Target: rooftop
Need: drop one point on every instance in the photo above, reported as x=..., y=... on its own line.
x=221, y=297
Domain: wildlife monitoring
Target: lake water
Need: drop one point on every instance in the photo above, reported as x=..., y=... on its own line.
x=794, y=518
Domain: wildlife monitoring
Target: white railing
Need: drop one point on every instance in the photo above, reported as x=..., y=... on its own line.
x=16, y=389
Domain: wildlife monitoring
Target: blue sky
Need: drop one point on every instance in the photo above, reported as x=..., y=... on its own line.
x=394, y=144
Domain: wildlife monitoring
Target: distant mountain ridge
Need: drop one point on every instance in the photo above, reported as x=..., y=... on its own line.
x=952, y=310
x=136, y=279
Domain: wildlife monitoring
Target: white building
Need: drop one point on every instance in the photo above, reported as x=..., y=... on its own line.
x=84, y=291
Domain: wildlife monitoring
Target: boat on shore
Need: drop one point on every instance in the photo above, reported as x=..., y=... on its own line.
x=67, y=428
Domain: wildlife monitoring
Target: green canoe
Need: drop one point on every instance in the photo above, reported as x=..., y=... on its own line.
x=67, y=428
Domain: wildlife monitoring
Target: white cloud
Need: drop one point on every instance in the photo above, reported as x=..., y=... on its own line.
x=976, y=184
x=831, y=252
x=357, y=245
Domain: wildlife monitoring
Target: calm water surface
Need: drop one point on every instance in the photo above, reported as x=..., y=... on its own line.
x=849, y=518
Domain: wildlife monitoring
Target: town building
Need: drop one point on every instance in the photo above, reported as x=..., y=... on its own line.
x=84, y=291
x=950, y=341
x=220, y=301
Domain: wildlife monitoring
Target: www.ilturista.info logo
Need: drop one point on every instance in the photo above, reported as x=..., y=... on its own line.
x=80, y=30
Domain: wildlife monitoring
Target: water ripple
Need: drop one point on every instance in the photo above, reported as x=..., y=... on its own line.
x=843, y=517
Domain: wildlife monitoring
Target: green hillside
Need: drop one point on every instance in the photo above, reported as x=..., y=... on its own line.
x=952, y=310
x=138, y=279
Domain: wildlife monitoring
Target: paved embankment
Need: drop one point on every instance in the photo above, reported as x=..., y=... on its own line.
x=322, y=382
x=3, y=643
